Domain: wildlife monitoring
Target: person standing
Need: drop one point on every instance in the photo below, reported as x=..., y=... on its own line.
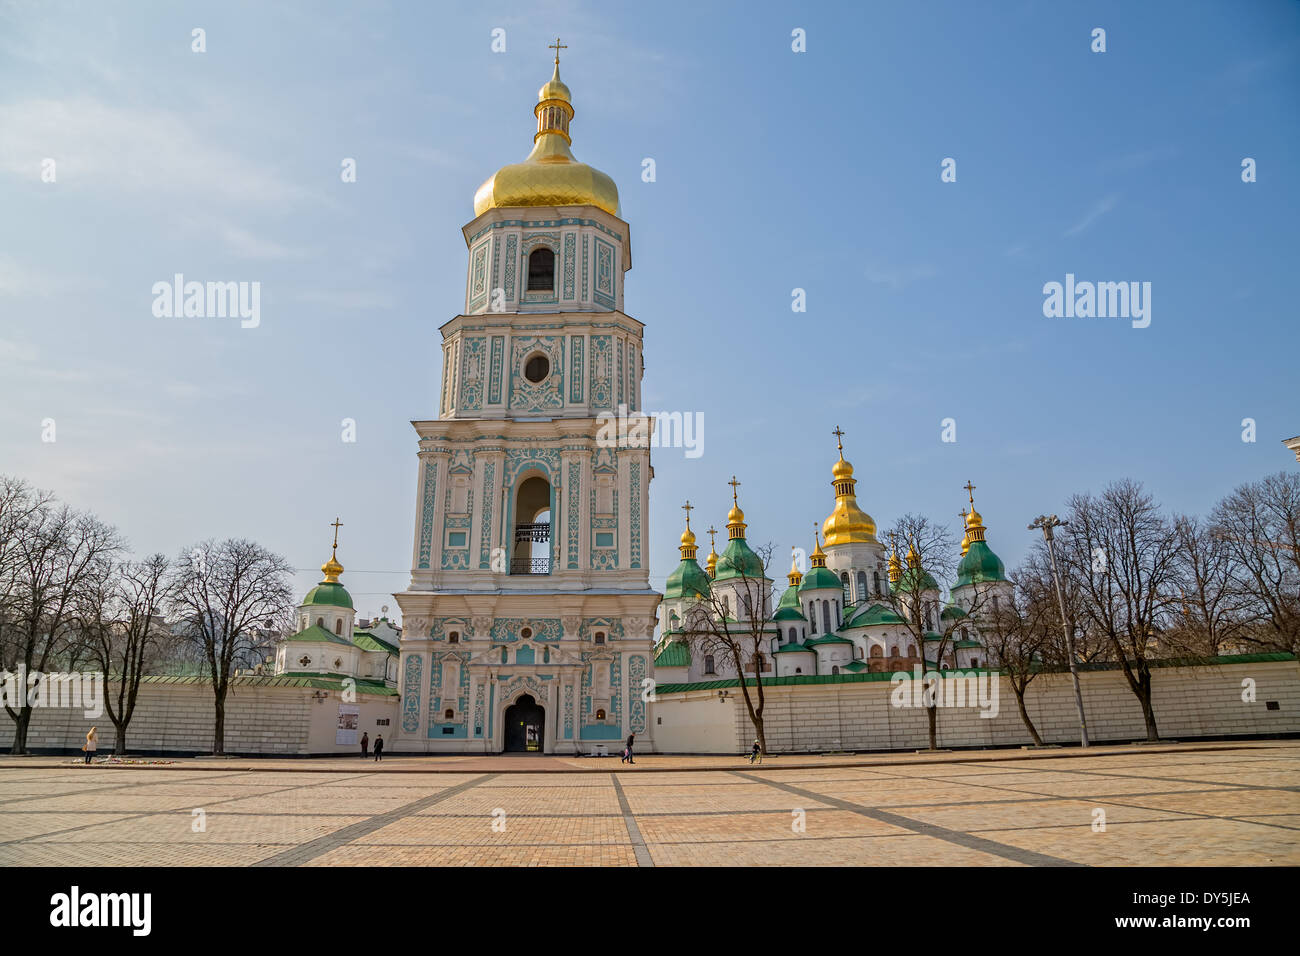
x=627, y=754
x=365, y=745
x=92, y=743
x=379, y=747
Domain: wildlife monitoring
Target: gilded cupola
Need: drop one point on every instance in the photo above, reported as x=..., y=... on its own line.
x=551, y=175
x=848, y=523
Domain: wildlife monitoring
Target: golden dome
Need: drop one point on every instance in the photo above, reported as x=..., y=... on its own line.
x=332, y=570
x=735, y=515
x=848, y=523
x=550, y=176
x=688, y=538
x=965, y=538
x=795, y=575
x=974, y=521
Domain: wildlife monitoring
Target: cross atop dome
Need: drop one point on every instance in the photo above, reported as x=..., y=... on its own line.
x=557, y=46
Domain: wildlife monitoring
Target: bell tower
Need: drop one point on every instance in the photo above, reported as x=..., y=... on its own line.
x=529, y=575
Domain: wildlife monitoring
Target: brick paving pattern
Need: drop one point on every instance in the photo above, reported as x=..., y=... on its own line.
x=1210, y=804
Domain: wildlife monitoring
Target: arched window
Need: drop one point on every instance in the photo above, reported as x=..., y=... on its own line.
x=708, y=663
x=965, y=634
x=862, y=585
x=600, y=715
x=826, y=616
x=453, y=637
x=338, y=625
x=844, y=586
x=759, y=663
x=448, y=714
x=798, y=670
x=929, y=619
x=911, y=650
x=320, y=622
x=835, y=669
x=600, y=637
x=876, y=578
x=995, y=604
x=812, y=615
x=541, y=270
x=504, y=652
x=672, y=620
x=877, y=652
x=974, y=662
x=793, y=636
x=893, y=651
x=546, y=655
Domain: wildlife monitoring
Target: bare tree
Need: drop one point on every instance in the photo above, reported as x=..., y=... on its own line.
x=1123, y=555
x=1019, y=630
x=931, y=558
x=1213, y=608
x=1259, y=524
x=739, y=633
x=224, y=595
x=55, y=552
x=122, y=623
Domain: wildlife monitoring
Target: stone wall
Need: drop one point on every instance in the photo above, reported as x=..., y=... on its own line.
x=1189, y=702
x=178, y=718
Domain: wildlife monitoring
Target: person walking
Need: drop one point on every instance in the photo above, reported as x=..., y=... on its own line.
x=92, y=743
x=365, y=745
x=755, y=753
x=379, y=747
x=627, y=754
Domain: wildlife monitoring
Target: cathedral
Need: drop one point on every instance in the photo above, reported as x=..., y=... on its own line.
x=528, y=621
x=841, y=615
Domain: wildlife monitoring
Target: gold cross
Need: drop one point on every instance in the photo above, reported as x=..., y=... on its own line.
x=962, y=514
x=712, y=532
x=688, y=508
x=970, y=490
x=336, y=525
x=557, y=46
x=839, y=435
x=734, y=485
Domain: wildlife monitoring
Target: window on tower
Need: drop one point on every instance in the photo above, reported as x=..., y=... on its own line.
x=537, y=368
x=541, y=270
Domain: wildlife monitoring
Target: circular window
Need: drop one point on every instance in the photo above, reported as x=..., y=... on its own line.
x=537, y=368
x=526, y=633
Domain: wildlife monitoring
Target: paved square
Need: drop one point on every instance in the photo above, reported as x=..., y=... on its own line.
x=1209, y=804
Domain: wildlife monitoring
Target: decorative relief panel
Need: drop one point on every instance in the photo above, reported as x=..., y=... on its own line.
x=427, y=511
x=575, y=372
x=478, y=282
x=495, y=372
x=485, y=536
x=526, y=396
x=571, y=522
x=602, y=370
x=570, y=247
x=635, y=705
x=512, y=256
x=634, y=503
x=411, y=694
x=506, y=630
x=473, y=372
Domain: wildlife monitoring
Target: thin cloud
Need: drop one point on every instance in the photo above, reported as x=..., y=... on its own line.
x=1098, y=210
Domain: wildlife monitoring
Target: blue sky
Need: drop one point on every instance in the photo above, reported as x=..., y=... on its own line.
x=775, y=170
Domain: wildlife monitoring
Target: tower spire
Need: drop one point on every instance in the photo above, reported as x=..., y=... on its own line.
x=332, y=568
x=974, y=520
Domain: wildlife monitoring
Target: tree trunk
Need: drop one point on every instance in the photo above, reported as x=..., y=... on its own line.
x=1024, y=714
x=762, y=735
x=119, y=744
x=20, y=730
x=932, y=713
x=219, y=729
x=1148, y=713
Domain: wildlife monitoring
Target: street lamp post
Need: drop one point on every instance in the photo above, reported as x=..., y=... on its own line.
x=1046, y=523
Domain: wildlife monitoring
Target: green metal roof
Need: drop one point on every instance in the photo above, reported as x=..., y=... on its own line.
x=316, y=681
x=687, y=580
x=369, y=642
x=737, y=557
x=875, y=614
x=794, y=648
x=827, y=639
x=329, y=594
x=979, y=565
x=788, y=614
x=317, y=634
x=673, y=654
x=818, y=579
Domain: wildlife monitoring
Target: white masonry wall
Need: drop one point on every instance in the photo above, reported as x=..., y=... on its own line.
x=179, y=718
x=1188, y=702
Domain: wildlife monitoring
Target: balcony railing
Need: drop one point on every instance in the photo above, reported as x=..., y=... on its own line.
x=533, y=532
x=530, y=566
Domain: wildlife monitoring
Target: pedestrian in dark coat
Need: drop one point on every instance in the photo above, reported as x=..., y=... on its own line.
x=365, y=745
x=379, y=747
x=627, y=754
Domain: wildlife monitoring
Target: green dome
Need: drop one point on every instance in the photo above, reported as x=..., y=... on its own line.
x=909, y=576
x=980, y=565
x=330, y=594
x=789, y=608
x=820, y=578
x=687, y=580
x=738, y=559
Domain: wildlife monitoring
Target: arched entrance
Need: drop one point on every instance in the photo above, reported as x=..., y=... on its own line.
x=525, y=726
